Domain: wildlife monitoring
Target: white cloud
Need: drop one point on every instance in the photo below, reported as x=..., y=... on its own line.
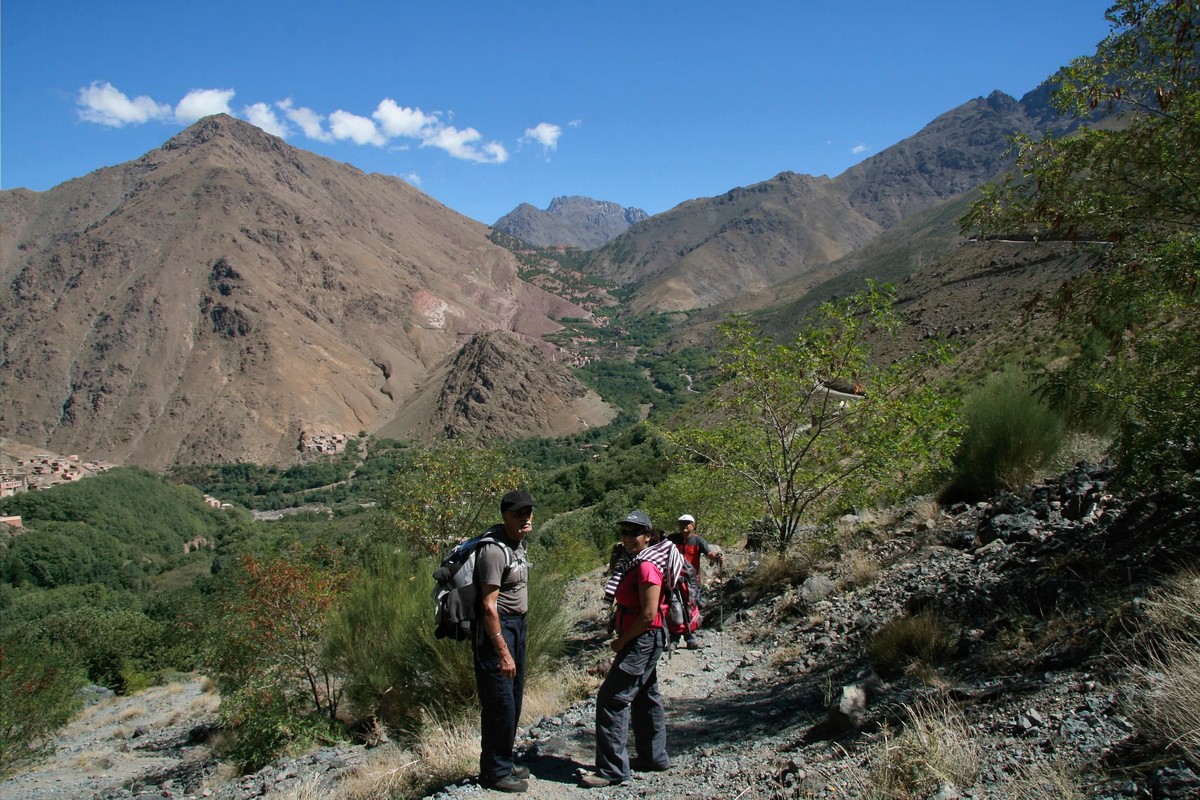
x=308, y=120
x=201, y=103
x=411, y=178
x=397, y=120
x=858, y=149
x=264, y=116
x=104, y=104
x=545, y=134
x=462, y=144
x=576, y=123
x=360, y=130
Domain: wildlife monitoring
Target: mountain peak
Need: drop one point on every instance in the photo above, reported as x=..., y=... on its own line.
x=571, y=220
x=219, y=127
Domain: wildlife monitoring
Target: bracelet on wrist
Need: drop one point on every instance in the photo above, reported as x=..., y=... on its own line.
x=497, y=634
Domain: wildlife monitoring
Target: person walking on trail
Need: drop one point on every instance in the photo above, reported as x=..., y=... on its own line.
x=501, y=573
x=629, y=695
x=692, y=546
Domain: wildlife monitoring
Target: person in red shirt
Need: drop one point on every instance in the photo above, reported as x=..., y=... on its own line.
x=692, y=546
x=630, y=692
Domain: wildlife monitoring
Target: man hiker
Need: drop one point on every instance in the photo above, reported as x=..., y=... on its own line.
x=501, y=573
x=692, y=546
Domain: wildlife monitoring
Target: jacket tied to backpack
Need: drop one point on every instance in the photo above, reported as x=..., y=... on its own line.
x=682, y=613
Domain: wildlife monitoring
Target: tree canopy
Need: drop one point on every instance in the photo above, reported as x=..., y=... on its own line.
x=1133, y=182
x=816, y=421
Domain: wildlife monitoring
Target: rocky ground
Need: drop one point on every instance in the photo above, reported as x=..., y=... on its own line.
x=1038, y=589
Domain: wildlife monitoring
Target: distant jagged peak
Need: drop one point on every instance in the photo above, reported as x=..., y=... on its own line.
x=574, y=203
x=570, y=220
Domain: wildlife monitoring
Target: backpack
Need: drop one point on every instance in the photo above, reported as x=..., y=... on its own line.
x=683, y=613
x=454, y=588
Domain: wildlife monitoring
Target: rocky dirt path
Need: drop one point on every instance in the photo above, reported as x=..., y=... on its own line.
x=120, y=741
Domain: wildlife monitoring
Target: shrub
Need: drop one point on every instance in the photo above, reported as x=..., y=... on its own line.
x=262, y=716
x=37, y=687
x=397, y=671
x=1009, y=434
x=115, y=646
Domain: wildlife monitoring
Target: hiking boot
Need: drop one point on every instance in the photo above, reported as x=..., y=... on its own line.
x=692, y=643
x=594, y=781
x=506, y=784
x=646, y=765
x=520, y=773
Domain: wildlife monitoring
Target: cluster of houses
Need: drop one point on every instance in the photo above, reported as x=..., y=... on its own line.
x=326, y=444
x=44, y=471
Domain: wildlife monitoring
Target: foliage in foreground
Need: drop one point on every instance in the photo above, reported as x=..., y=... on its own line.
x=269, y=659
x=1136, y=186
x=778, y=425
x=37, y=696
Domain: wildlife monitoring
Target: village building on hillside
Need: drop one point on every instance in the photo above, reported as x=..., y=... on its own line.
x=44, y=471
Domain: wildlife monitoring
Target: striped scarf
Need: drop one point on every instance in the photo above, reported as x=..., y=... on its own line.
x=664, y=555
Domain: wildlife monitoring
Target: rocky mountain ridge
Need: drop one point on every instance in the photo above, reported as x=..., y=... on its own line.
x=227, y=295
x=570, y=222
x=709, y=251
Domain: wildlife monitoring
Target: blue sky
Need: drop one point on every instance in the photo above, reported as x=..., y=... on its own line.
x=488, y=105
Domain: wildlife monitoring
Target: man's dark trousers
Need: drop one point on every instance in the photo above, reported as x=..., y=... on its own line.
x=499, y=699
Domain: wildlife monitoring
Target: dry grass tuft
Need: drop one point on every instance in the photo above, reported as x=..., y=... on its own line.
x=776, y=573
x=94, y=762
x=1168, y=707
x=1059, y=779
x=925, y=510
x=205, y=704
x=555, y=692
x=208, y=685
x=934, y=749
x=447, y=750
x=864, y=568
x=133, y=712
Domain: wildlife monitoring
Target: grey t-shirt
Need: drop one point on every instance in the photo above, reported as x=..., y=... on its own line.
x=490, y=570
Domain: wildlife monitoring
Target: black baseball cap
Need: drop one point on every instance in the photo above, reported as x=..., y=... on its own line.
x=515, y=501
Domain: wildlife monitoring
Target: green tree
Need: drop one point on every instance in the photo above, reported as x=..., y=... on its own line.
x=723, y=503
x=37, y=689
x=1134, y=183
x=444, y=494
x=778, y=425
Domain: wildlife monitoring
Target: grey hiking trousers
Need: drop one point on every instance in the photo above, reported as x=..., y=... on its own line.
x=630, y=692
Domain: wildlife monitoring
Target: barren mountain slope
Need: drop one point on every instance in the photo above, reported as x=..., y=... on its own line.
x=501, y=387
x=709, y=250
x=226, y=294
x=794, y=227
